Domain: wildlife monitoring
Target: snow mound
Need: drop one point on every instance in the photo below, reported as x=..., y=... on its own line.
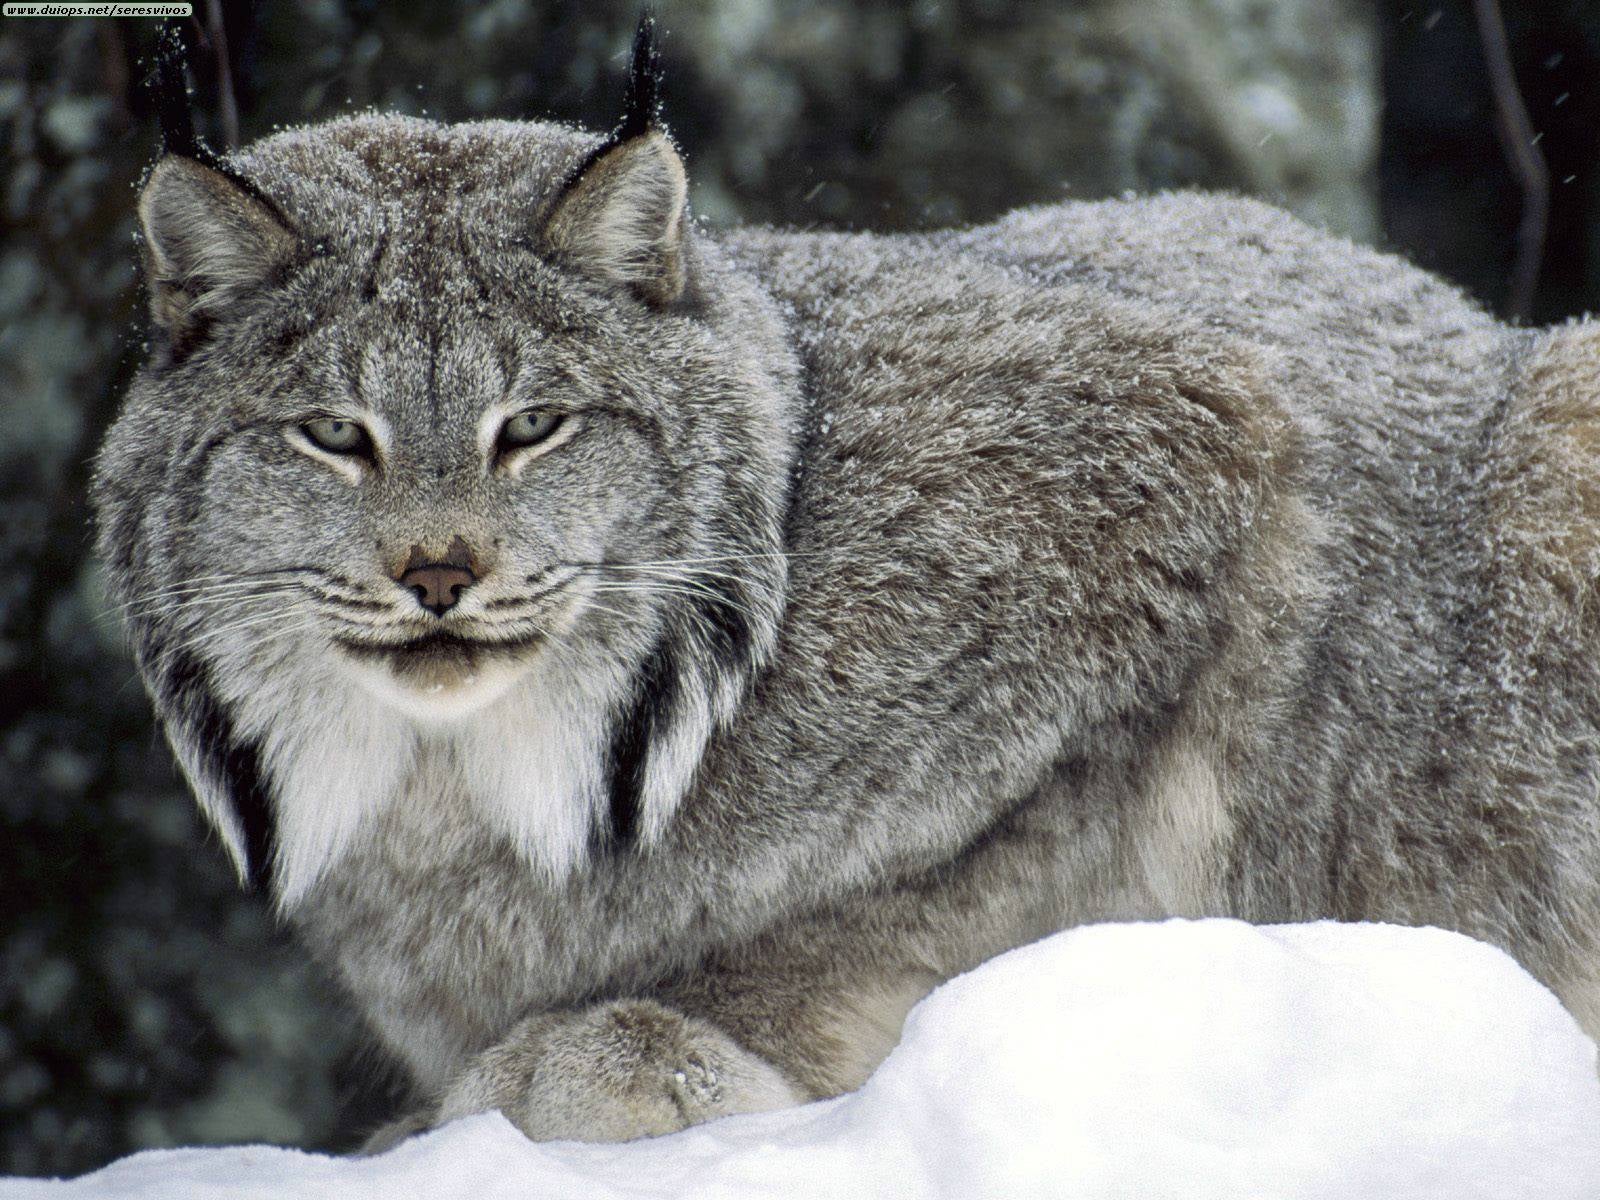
x=1188, y=1059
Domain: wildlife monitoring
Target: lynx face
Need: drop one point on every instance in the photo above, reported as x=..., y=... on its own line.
x=441, y=501
x=441, y=436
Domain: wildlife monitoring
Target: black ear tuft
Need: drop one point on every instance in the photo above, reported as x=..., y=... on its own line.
x=170, y=85
x=621, y=217
x=641, y=103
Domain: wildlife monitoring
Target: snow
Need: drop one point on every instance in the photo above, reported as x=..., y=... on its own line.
x=1187, y=1059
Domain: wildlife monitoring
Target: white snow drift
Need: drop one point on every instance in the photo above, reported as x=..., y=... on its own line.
x=1191, y=1059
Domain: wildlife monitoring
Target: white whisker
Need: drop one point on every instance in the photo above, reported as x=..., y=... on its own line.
x=751, y=556
x=590, y=603
x=176, y=605
x=651, y=588
x=258, y=644
x=692, y=573
x=206, y=637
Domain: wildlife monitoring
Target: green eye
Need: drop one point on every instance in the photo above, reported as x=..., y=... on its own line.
x=337, y=436
x=529, y=428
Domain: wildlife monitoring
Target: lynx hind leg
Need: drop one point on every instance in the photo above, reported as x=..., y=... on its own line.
x=1547, y=491
x=614, y=1072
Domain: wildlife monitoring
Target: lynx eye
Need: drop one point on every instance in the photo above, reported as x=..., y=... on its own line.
x=529, y=428
x=337, y=436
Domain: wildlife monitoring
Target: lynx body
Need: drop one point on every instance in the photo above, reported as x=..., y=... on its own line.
x=643, y=661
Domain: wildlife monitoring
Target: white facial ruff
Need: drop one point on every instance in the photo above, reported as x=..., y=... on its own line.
x=525, y=746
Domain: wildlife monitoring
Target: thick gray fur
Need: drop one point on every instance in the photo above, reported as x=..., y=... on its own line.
x=1111, y=561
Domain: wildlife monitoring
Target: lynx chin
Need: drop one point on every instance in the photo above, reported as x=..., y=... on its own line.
x=642, y=661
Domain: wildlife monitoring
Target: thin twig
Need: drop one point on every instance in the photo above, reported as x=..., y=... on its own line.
x=225, y=98
x=1522, y=151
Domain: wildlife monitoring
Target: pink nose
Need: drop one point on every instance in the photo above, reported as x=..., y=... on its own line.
x=438, y=586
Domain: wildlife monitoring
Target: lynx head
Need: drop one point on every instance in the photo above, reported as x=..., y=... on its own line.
x=456, y=446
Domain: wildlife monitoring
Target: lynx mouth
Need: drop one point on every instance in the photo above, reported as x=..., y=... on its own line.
x=440, y=676
x=440, y=673
x=440, y=649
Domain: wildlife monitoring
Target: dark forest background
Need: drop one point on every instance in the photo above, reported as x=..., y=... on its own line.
x=143, y=1000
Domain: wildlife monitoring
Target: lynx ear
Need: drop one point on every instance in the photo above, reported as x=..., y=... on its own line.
x=622, y=218
x=207, y=240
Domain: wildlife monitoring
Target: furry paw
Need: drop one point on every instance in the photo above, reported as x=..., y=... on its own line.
x=389, y=1136
x=614, y=1072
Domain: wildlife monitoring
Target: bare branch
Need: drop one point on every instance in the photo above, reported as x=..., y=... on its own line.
x=218, y=37
x=1522, y=151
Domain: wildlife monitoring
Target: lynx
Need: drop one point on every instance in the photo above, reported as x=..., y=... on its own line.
x=641, y=661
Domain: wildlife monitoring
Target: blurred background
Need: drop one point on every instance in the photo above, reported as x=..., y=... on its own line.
x=143, y=1000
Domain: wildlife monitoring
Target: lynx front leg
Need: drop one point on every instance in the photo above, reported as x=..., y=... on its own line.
x=614, y=1072
x=807, y=1011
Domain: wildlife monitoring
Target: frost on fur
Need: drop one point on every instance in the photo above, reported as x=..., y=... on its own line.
x=207, y=241
x=621, y=220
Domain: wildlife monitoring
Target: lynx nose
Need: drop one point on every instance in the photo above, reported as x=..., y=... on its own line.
x=438, y=585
